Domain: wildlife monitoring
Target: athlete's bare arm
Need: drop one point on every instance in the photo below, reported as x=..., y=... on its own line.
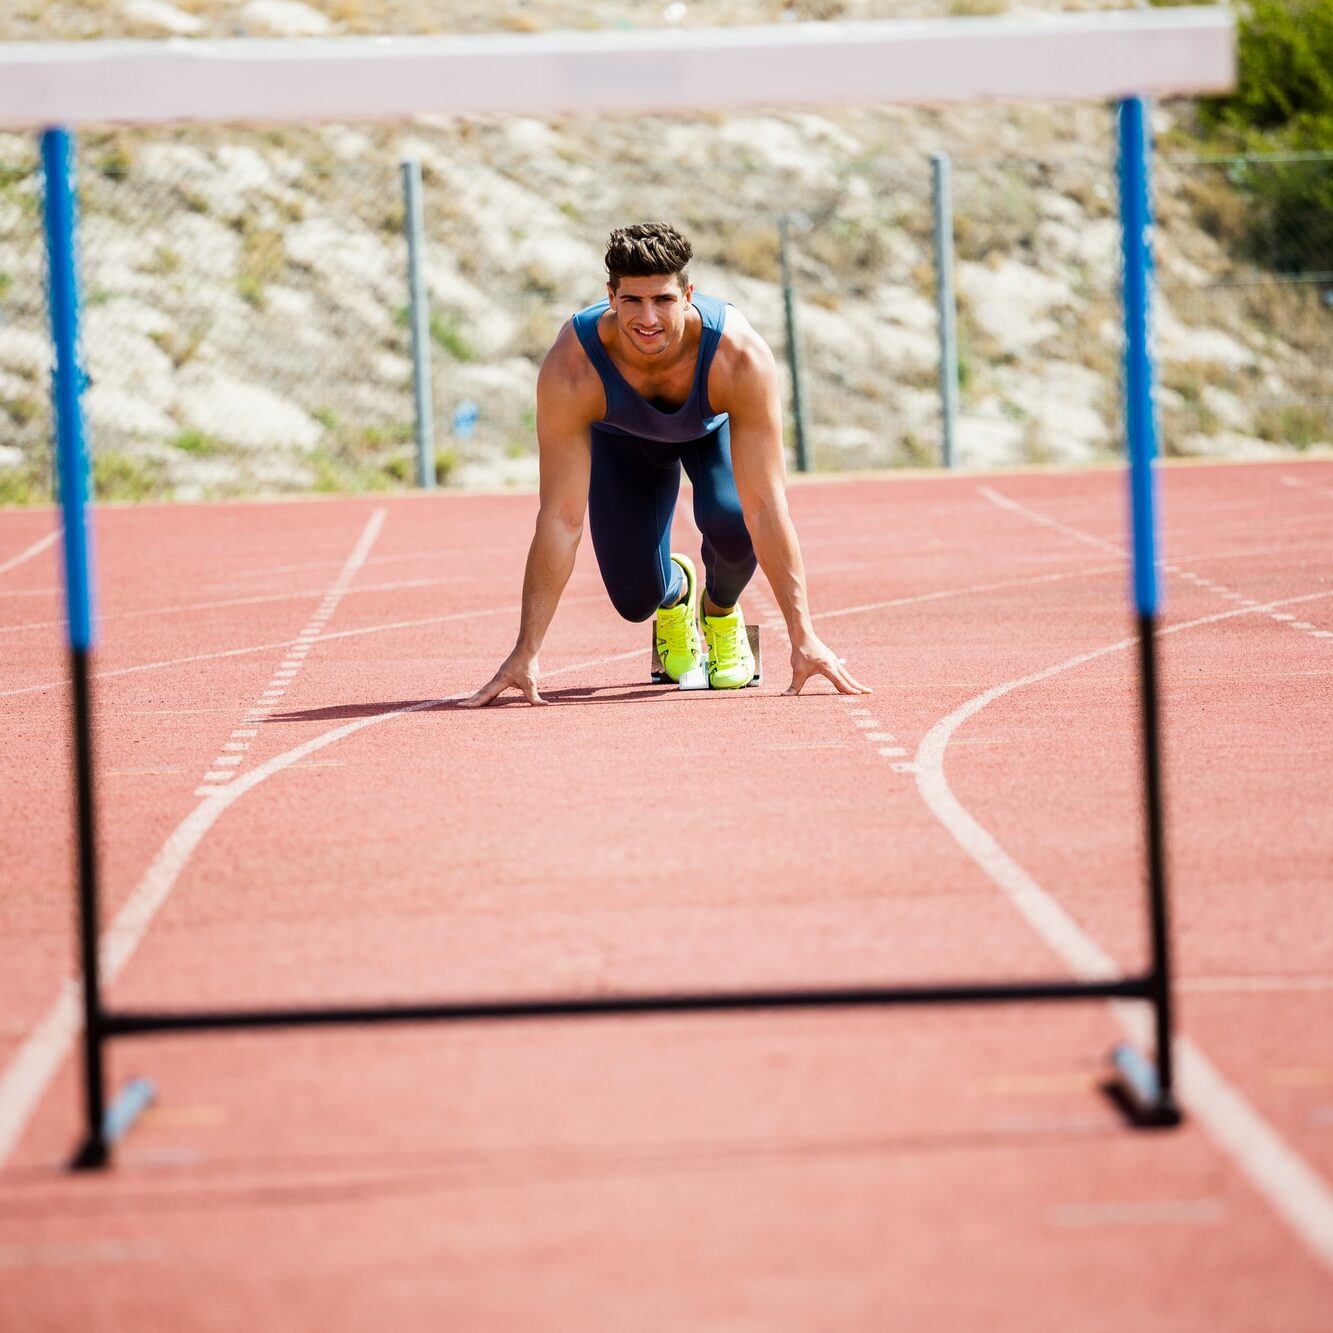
x=743, y=382
x=569, y=398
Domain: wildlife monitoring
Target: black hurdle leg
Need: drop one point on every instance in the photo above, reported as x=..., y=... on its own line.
x=93, y=1152
x=1148, y=1089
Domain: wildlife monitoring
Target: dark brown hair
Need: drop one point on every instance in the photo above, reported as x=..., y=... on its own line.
x=645, y=250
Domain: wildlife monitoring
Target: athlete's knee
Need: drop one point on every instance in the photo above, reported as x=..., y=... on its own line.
x=635, y=604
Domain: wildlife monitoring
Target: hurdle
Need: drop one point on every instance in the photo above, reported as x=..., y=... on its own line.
x=1127, y=57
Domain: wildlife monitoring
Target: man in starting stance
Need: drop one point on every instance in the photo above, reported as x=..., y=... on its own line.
x=654, y=378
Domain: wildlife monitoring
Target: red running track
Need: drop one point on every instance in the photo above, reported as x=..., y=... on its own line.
x=924, y=1169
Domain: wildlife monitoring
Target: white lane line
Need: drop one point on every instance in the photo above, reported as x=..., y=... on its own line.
x=303, y=596
x=28, y=552
x=1086, y=538
x=469, y=553
x=1297, y=1193
x=285, y=643
x=969, y=591
x=37, y=1060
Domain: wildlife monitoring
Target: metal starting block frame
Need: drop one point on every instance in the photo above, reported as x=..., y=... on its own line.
x=660, y=677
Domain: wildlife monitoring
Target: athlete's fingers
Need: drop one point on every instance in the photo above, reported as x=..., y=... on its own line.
x=529, y=688
x=493, y=687
x=799, y=675
x=845, y=682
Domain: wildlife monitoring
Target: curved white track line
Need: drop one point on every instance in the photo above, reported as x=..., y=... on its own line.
x=27, y=553
x=28, y=1075
x=1295, y=1190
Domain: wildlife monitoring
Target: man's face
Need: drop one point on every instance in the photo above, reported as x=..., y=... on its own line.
x=651, y=312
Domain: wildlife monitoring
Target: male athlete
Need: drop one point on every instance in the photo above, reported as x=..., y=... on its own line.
x=654, y=378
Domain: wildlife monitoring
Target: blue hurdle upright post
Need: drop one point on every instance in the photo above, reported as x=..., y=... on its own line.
x=72, y=473
x=1149, y=1088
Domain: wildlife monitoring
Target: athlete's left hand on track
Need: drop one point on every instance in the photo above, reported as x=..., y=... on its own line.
x=517, y=672
x=814, y=658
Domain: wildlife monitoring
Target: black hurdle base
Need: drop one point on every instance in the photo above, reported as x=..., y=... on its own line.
x=125, y=1109
x=1141, y=1087
x=1134, y=1085
x=1136, y=1089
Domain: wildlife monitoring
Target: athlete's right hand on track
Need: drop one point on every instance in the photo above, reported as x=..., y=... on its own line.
x=517, y=672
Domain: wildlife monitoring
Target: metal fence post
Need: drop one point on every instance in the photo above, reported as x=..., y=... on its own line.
x=420, y=320
x=793, y=346
x=942, y=196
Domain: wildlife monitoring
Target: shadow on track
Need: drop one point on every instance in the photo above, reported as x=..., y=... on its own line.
x=565, y=697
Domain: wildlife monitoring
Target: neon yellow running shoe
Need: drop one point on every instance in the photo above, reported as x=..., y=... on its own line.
x=730, y=661
x=677, y=627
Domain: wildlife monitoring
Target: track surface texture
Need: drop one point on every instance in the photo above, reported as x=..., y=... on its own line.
x=293, y=811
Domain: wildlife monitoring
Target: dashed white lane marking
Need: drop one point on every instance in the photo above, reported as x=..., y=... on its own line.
x=1209, y=585
x=871, y=731
x=218, y=771
x=1297, y=1193
x=35, y=1063
x=28, y=552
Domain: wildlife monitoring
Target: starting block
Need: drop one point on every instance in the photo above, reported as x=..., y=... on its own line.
x=698, y=679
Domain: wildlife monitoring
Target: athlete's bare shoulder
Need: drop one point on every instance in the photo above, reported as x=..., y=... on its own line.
x=743, y=364
x=568, y=382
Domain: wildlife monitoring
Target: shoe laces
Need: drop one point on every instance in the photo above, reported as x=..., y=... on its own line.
x=673, y=627
x=726, y=633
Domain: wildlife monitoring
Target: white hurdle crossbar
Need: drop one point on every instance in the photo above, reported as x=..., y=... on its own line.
x=1083, y=57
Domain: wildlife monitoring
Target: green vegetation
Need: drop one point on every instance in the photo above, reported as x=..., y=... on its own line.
x=118, y=476
x=250, y=288
x=23, y=486
x=444, y=333
x=262, y=260
x=1283, y=104
x=196, y=442
x=1296, y=424
x=23, y=410
x=114, y=161
x=448, y=335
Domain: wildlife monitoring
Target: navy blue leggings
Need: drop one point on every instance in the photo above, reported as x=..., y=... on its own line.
x=631, y=498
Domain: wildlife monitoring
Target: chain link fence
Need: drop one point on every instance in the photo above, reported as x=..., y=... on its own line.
x=246, y=322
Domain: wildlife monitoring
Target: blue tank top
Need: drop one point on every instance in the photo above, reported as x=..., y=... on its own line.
x=628, y=412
